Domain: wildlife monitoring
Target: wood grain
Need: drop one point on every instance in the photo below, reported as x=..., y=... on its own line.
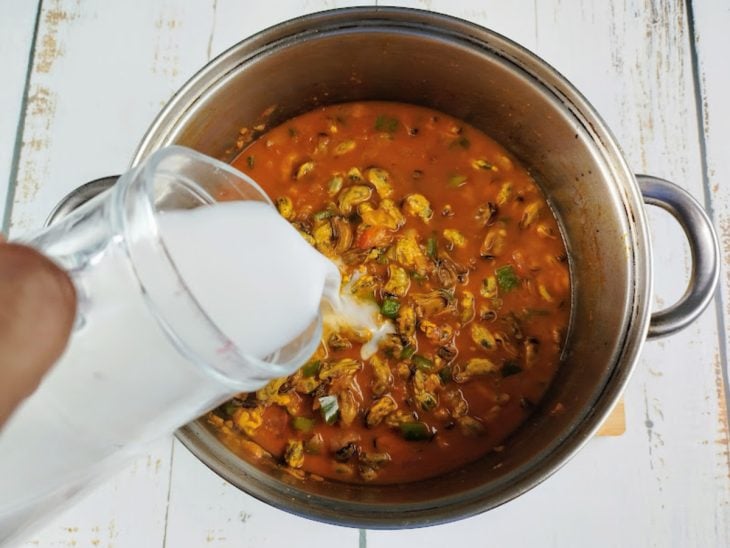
x=632, y=61
x=712, y=44
x=16, y=40
x=93, y=90
x=103, y=69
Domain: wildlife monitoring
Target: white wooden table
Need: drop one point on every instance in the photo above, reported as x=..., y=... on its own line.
x=80, y=80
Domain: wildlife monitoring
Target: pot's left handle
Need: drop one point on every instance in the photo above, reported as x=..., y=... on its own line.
x=79, y=196
x=704, y=249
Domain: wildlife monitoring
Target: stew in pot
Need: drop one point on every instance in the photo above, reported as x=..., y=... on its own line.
x=454, y=241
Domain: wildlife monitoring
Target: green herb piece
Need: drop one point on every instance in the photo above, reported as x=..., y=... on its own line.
x=455, y=181
x=303, y=424
x=230, y=407
x=407, y=352
x=386, y=123
x=390, y=307
x=418, y=277
x=461, y=142
x=311, y=369
x=422, y=362
x=329, y=408
x=445, y=375
x=293, y=132
x=250, y=161
x=322, y=215
x=314, y=445
x=431, y=247
x=510, y=368
x=415, y=431
x=506, y=278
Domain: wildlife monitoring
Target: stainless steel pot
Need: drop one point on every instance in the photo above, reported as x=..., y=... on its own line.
x=496, y=85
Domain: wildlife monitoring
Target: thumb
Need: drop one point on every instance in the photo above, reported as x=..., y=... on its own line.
x=37, y=309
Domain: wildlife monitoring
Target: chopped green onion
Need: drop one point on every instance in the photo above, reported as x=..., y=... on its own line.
x=330, y=408
x=456, y=181
x=510, y=368
x=386, y=123
x=314, y=445
x=461, y=142
x=390, y=308
x=322, y=215
x=311, y=369
x=445, y=375
x=422, y=362
x=230, y=407
x=506, y=278
x=303, y=424
x=415, y=431
x=407, y=352
x=431, y=247
x=250, y=161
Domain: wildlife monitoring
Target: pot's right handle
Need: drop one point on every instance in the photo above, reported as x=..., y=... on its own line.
x=703, y=246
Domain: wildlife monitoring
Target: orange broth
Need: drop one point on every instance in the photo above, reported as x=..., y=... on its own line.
x=457, y=245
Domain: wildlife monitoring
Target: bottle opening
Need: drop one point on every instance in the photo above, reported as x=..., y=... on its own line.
x=225, y=275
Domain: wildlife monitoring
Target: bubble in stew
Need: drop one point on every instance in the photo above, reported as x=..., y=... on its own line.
x=452, y=239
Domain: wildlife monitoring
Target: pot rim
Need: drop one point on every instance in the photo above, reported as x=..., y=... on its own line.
x=636, y=322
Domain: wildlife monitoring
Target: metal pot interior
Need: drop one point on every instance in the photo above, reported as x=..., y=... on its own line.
x=493, y=84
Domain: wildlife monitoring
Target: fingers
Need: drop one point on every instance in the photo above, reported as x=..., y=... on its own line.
x=37, y=309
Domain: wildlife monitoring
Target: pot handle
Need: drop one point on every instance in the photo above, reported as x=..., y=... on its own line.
x=704, y=248
x=78, y=197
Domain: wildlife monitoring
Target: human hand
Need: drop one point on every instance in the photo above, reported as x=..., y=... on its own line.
x=37, y=310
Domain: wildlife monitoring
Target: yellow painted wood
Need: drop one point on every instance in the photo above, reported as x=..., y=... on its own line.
x=615, y=424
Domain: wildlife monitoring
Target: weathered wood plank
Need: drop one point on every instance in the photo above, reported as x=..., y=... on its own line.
x=515, y=20
x=202, y=507
x=16, y=40
x=235, y=20
x=93, y=91
x=207, y=510
x=129, y=509
x=100, y=73
x=647, y=97
x=664, y=482
x=710, y=21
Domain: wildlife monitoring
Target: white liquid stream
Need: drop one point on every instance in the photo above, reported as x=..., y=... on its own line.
x=122, y=383
x=257, y=278
x=252, y=273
